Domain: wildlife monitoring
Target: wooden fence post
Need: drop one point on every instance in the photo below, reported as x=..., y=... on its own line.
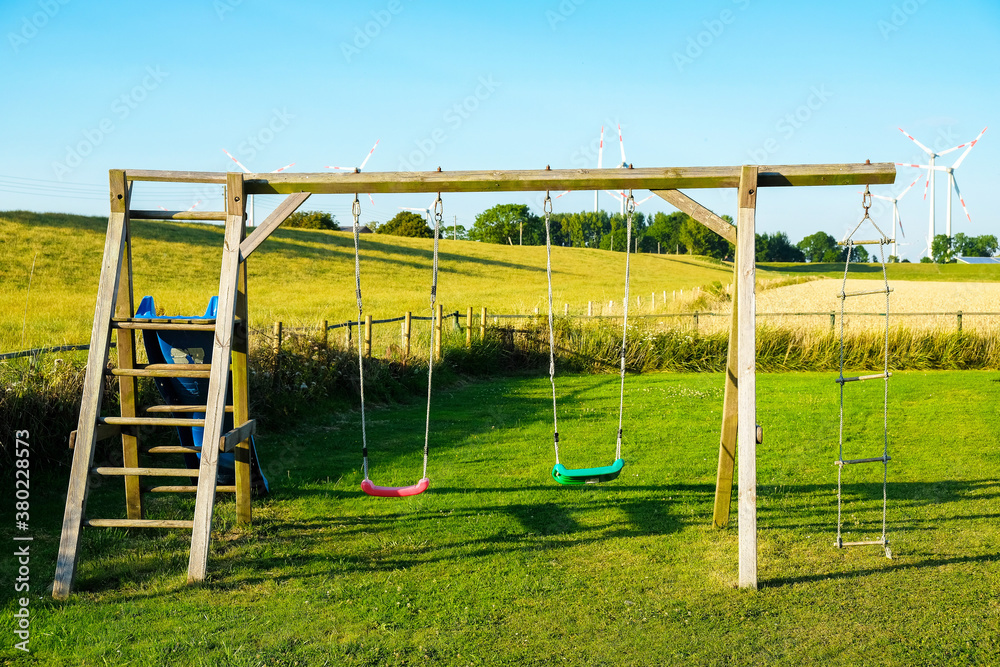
x=833, y=321
x=590, y=309
x=436, y=331
x=276, y=347
x=368, y=335
x=407, y=321
x=695, y=316
x=347, y=334
x=468, y=327
x=566, y=309
x=482, y=324
x=326, y=335
x=959, y=321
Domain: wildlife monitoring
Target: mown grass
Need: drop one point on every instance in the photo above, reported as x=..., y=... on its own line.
x=497, y=565
x=980, y=273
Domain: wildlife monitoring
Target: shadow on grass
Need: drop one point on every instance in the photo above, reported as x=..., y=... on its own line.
x=895, y=567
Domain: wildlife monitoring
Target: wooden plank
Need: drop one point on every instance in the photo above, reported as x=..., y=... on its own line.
x=127, y=389
x=175, y=371
x=180, y=408
x=218, y=177
x=272, y=222
x=173, y=449
x=730, y=412
x=537, y=180
x=109, y=471
x=216, y=398
x=746, y=378
x=102, y=432
x=177, y=215
x=93, y=386
x=684, y=203
x=165, y=326
x=138, y=523
x=239, y=434
x=152, y=421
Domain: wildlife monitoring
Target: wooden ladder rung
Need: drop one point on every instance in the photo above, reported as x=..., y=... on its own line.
x=151, y=421
x=186, y=489
x=174, y=449
x=176, y=215
x=877, y=459
x=146, y=472
x=165, y=371
x=139, y=523
x=180, y=408
x=164, y=324
x=864, y=543
x=862, y=378
x=844, y=295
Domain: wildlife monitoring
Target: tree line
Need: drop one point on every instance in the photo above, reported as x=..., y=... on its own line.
x=671, y=233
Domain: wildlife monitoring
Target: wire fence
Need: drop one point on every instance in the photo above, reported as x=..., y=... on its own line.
x=483, y=318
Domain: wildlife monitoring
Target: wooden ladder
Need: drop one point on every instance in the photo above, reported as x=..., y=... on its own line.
x=115, y=313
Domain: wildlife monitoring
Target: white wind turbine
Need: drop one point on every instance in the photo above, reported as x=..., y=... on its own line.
x=357, y=170
x=247, y=171
x=896, y=220
x=620, y=196
x=953, y=184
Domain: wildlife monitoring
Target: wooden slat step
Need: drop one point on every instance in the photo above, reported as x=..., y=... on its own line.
x=151, y=421
x=165, y=371
x=176, y=215
x=174, y=449
x=866, y=543
x=186, y=489
x=147, y=472
x=229, y=440
x=875, y=242
x=160, y=325
x=139, y=523
x=844, y=295
x=877, y=459
x=180, y=408
x=862, y=378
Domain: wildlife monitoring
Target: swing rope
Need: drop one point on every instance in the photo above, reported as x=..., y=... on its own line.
x=356, y=212
x=438, y=218
x=605, y=473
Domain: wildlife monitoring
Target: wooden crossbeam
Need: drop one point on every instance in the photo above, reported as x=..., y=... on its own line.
x=537, y=180
x=272, y=222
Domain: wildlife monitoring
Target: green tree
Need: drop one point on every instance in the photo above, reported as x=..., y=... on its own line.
x=821, y=247
x=311, y=220
x=700, y=240
x=975, y=246
x=406, y=223
x=508, y=223
x=616, y=237
x=580, y=230
x=665, y=229
x=776, y=248
x=941, y=250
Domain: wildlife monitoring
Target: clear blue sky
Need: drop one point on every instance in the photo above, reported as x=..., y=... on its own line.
x=90, y=86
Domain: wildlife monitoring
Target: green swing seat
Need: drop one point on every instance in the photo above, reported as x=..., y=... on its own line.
x=568, y=477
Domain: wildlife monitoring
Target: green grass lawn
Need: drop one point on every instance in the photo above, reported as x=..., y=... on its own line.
x=498, y=565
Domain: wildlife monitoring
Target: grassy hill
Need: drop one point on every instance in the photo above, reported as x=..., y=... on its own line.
x=301, y=276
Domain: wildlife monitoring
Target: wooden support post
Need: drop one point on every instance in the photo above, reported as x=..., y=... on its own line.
x=216, y=398
x=727, y=440
x=746, y=378
x=93, y=385
x=436, y=330
x=326, y=335
x=127, y=389
x=368, y=335
x=241, y=397
x=468, y=327
x=407, y=328
x=833, y=320
x=590, y=309
x=482, y=324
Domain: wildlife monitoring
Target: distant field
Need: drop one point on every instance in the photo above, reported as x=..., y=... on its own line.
x=981, y=273
x=302, y=277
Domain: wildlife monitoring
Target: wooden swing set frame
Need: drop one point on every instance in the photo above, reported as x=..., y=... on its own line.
x=115, y=313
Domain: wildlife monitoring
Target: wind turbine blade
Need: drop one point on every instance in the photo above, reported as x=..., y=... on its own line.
x=899, y=221
x=195, y=205
x=600, y=150
x=639, y=203
x=958, y=192
x=238, y=164
x=621, y=144
x=971, y=144
x=565, y=192
x=900, y=195
x=283, y=168
x=924, y=148
x=368, y=157
x=614, y=194
x=875, y=196
x=162, y=208
x=927, y=184
x=370, y=198
x=915, y=166
x=340, y=168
